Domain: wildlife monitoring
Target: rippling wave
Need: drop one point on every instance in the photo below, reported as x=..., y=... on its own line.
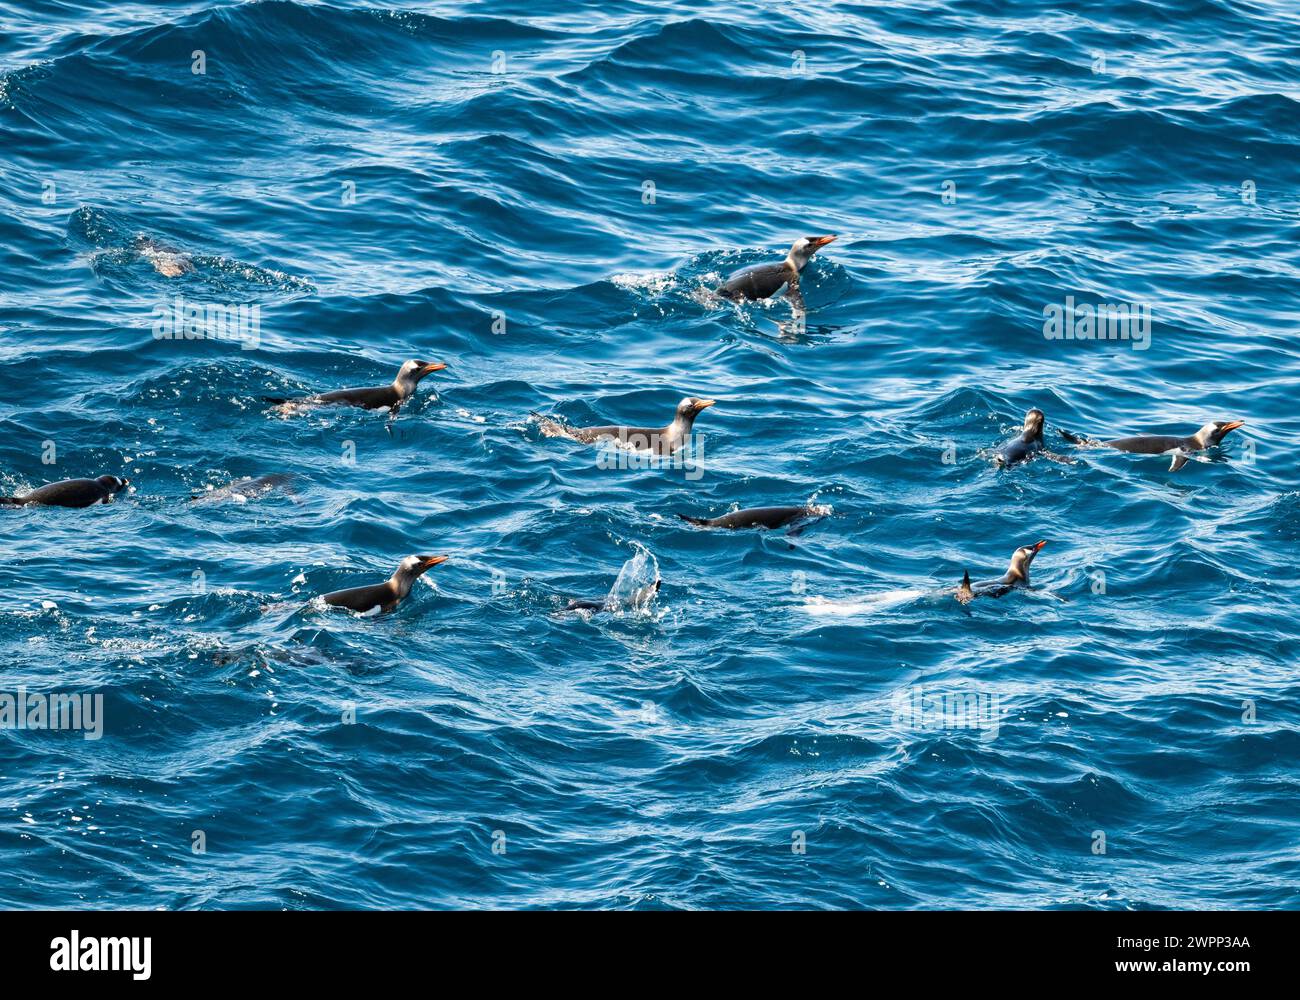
x=544, y=198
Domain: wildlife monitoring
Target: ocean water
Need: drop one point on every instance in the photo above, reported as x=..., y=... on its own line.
x=542, y=196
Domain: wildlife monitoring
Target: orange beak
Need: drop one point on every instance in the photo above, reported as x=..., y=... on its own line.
x=1039, y=545
x=704, y=404
x=821, y=241
x=427, y=562
x=432, y=366
x=1232, y=425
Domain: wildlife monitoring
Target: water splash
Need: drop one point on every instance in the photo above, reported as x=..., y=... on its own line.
x=637, y=584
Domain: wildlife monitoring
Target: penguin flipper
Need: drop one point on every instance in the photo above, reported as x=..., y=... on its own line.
x=392, y=415
x=697, y=521
x=1078, y=439
x=1179, y=460
x=795, y=296
x=801, y=526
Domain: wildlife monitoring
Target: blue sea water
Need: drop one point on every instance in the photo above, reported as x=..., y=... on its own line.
x=541, y=195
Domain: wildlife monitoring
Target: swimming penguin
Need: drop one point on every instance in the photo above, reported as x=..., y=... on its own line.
x=760, y=517
x=1027, y=445
x=1182, y=448
x=246, y=489
x=660, y=440
x=387, y=595
x=391, y=396
x=639, y=599
x=72, y=493
x=762, y=281
x=167, y=261
x=1017, y=575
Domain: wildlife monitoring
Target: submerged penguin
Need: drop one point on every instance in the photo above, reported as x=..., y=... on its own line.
x=242, y=490
x=387, y=595
x=1181, y=448
x=660, y=440
x=1017, y=575
x=762, y=281
x=762, y=517
x=166, y=260
x=378, y=397
x=71, y=493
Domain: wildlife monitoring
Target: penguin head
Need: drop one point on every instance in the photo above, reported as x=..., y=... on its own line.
x=1216, y=430
x=690, y=407
x=1020, y=560
x=1033, y=429
x=804, y=247
x=112, y=484
x=409, y=375
x=411, y=569
x=413, y=566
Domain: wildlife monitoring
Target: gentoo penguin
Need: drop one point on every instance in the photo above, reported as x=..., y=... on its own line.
x=762, y=281
x=167, y=261
x=759, y=517
x=72, y=493
x=1017, y=575
x=246, y=489
x=387, y=595
x=660, y=440
x=1027, y=445
x=1182, y=448
x=391, y=396
x=605, y=604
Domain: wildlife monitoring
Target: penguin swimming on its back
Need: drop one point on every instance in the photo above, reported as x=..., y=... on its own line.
x=1017, y=575
x=71, y=493
x=1182, y=448
x=1027, y=445
x=762, y=281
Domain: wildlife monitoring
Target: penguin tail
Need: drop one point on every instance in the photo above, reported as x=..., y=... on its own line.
x=1080, y=439
x=964, y=593
x=12, y=501
x=698, y=521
